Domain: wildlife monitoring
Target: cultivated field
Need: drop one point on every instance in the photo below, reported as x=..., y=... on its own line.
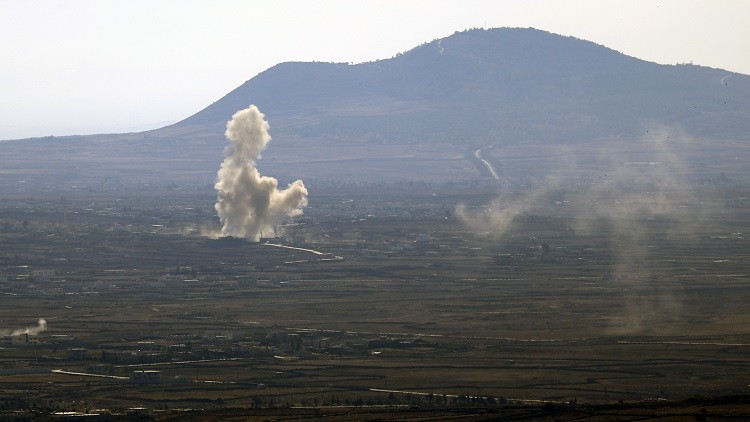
x=395, y=304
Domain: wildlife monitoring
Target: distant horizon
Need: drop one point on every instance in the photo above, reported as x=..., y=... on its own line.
x=94, y=130
x=84, y=67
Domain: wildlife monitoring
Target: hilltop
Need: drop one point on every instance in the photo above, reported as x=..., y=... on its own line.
x=500, y=84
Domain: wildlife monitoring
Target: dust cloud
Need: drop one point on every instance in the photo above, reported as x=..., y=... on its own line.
x=636, y=204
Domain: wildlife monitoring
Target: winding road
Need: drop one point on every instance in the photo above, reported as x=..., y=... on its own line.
x=313, y=251
x=478, y=155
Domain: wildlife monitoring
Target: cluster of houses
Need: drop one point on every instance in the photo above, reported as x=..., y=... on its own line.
x=20, y=339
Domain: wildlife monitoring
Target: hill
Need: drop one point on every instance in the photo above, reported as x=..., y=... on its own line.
x=500, y=85
x=419, y=116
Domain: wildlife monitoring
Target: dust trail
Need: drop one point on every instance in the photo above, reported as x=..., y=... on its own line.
x=633, y=204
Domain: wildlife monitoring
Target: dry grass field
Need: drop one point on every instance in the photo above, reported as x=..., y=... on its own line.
x=409, y=314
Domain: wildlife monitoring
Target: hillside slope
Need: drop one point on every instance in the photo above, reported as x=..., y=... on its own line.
x=500, y=85
x=422, y=116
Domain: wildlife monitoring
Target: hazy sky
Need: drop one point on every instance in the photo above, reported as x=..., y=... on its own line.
x=79, y=67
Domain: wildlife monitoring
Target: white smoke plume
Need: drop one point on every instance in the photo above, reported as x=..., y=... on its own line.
x=34, y=330
x=250, y=204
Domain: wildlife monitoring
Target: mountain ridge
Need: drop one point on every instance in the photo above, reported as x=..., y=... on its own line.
x=419, y=115
x=513, y=72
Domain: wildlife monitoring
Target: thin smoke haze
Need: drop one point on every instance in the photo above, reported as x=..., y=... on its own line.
x=250, y=204
x=32, y=330
x=624, y=205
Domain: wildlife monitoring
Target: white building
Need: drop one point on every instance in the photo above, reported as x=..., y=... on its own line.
x=23, y=339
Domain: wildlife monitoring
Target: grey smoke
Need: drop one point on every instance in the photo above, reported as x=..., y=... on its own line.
x=628, y=193
x=250, y=204
x=33, y=330
x=623, y=203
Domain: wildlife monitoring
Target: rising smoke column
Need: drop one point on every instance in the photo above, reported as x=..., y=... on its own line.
x=250, y=204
